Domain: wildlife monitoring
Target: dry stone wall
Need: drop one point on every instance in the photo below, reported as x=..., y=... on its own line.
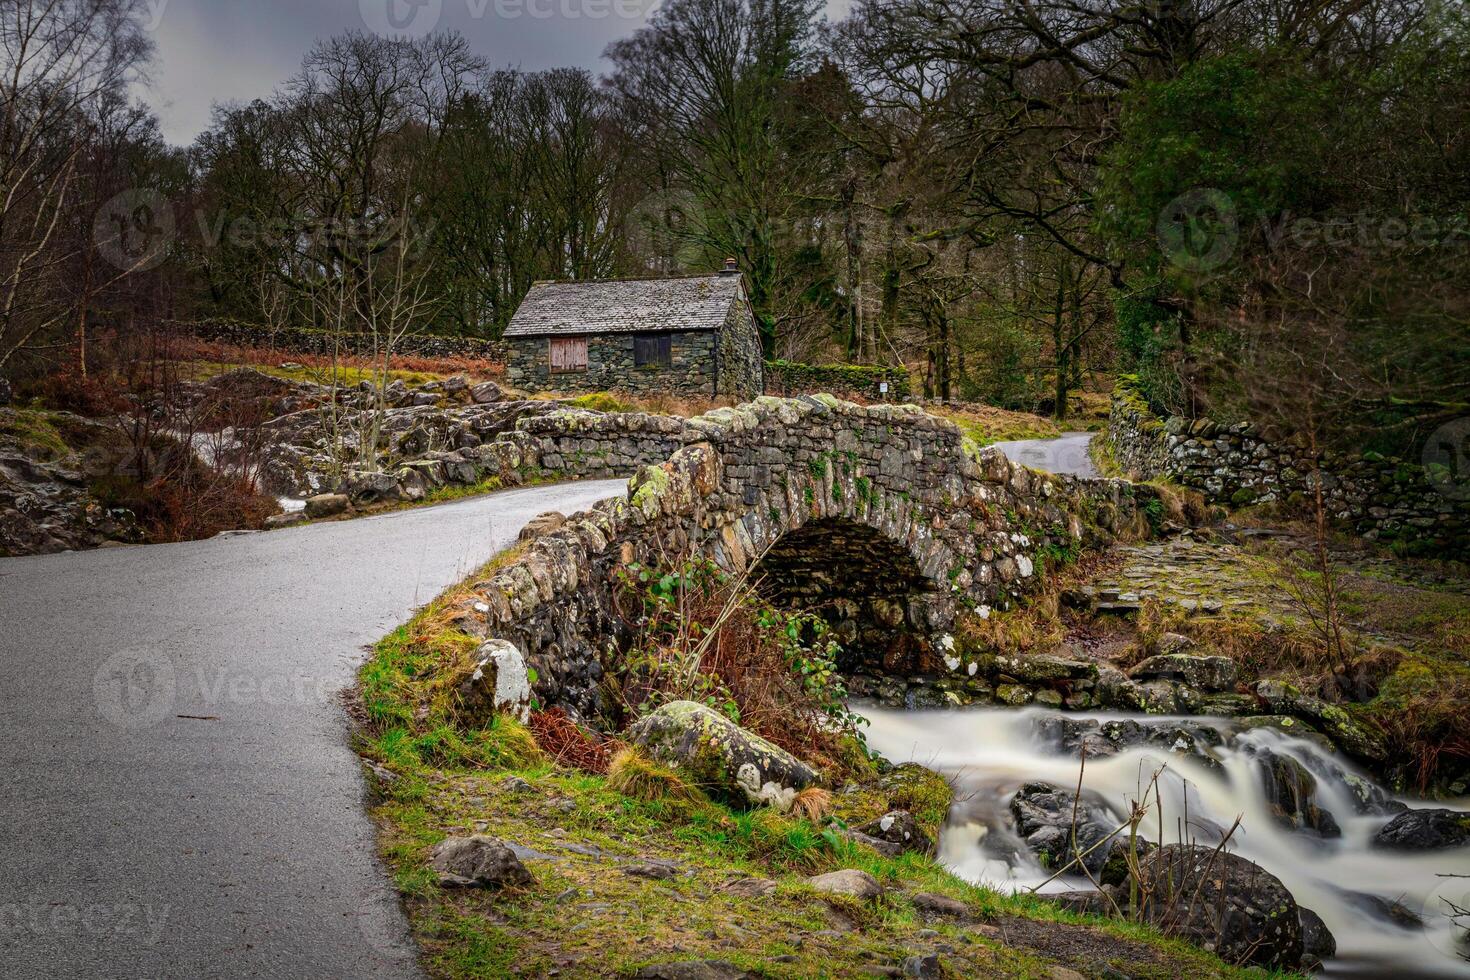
x=1379, y=497
x=886, y=518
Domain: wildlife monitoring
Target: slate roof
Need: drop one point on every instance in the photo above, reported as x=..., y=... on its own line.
x=626, y=306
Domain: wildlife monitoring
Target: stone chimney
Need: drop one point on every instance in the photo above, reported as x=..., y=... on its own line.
x=732, y=268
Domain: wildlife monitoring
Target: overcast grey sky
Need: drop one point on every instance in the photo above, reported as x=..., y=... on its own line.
x=235, y=50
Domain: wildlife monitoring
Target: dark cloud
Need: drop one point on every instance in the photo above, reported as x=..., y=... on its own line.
x=235, y=50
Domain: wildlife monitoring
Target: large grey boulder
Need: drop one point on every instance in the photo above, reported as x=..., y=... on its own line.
x=720, y=756
x=374, y=488
x=477, y=862
x=1223, y=903
x=1201, y=673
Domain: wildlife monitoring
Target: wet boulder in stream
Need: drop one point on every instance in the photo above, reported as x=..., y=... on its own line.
x=1044, y=816
x=1291, y=795
x=1223, y=903
x=1425, y=830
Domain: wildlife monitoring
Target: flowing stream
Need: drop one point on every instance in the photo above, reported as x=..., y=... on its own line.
x=990, y=753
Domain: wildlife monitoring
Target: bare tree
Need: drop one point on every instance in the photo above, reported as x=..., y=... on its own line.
x=59, y=59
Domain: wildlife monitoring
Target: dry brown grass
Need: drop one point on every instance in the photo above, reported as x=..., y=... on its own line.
x=987, y=424
x=567, y=744
x=193, y=349
x=1035, y=626
x=812, y=803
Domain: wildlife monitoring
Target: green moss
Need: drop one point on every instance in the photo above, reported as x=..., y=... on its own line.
x=602, y=401
x=653, y=482
x=1243, y=497
x=33, y=432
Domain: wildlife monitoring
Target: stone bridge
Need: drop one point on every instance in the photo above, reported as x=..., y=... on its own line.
x=885, y=519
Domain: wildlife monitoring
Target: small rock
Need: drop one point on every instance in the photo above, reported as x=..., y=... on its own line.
x=652, y=870
x=285, y=520
x=750, y=887
x=485, y=392
x=1062, y=973
x=883, y=847
x=849, y=881
x=1424, y=830
x=544, y=524
x=1173, y=643
x=923, y=966
x=932, y=904
x=1089, y=901
x=1388, y=909
x=326, y=505
x=500, y=683
x=477, y=862
x=899, y=827
x=515, y=784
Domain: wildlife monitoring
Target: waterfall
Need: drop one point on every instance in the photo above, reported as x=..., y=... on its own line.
x=990, y=753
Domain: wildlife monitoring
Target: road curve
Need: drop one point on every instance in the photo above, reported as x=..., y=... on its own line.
x=177, y=795
x=1067, y=454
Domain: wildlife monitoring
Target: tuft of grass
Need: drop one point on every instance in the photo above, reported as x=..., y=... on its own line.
x=633, y=774
x=987, y=425
x=812, y=803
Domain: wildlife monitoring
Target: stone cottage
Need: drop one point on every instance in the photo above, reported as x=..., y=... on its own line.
x=692, y=335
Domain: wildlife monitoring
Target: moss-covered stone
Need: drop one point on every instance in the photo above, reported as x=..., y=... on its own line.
x=720, y=757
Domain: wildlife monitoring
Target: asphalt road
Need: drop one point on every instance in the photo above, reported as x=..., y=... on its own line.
x=177, y=795
x=1067, y=454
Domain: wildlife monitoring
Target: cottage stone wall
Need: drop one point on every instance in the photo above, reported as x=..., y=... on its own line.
x=885, y=518
x=1379, y=497
x=742, y=364
x=610, y=366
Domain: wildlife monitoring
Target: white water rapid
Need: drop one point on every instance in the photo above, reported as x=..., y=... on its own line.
x=990, y=753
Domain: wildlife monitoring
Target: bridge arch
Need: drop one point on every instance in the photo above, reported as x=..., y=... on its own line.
x=884, y=518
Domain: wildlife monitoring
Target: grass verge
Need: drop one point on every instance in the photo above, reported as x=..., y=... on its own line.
x=638, y=868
